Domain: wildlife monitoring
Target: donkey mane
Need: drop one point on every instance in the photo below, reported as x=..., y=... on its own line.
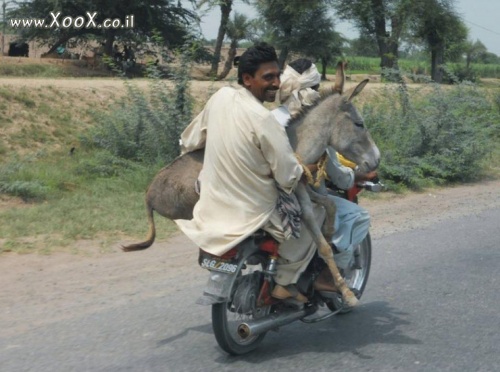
x=304, y=110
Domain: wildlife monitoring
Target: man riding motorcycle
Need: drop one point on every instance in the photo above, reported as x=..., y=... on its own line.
x=248, y=158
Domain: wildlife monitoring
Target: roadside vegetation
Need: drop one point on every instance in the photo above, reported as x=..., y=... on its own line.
x=79, y=172
x=418, y=68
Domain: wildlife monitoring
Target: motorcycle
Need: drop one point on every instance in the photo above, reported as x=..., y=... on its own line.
x=241, y=281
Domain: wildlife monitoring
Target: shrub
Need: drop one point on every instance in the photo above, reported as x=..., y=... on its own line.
x=13, y=182
x=433, y=137
x=27, y=190
x=146, y=126
x=103, y=164
x=457, y=74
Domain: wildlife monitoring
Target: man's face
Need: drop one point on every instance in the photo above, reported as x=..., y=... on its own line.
x=265, y=83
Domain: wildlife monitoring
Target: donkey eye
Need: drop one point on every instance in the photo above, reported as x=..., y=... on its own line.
x=360, y=125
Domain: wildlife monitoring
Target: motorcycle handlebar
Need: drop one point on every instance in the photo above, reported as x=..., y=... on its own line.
x=374, y=185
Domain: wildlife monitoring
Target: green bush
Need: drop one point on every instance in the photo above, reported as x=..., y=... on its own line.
x=433, y=138
x=456, y=74
x=103, y=165
x=146, y=126
x=27, y=190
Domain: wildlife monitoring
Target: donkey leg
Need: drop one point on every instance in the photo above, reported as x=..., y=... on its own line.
x=328, y=228
x=324, y=249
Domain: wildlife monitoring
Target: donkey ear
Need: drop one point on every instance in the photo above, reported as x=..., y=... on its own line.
x=340, y=78
x=351, y=93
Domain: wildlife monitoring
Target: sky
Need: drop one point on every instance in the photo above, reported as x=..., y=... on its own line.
x=480, y=16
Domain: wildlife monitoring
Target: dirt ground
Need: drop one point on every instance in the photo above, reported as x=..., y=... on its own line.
x=105, y=86
x=39, y=290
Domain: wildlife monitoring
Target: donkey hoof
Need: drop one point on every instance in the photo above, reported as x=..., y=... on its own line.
x=350, y=300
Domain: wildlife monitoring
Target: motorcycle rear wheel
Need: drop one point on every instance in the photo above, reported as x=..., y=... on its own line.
x=227, y=316
x=355, y=279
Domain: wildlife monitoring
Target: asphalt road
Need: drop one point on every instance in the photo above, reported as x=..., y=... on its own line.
x=432, y=304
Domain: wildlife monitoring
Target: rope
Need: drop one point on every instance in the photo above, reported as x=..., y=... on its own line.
x=321, y=172
x=307, y=172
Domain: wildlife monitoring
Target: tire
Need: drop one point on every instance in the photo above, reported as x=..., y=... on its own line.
x=356, y=279
x=226, y=317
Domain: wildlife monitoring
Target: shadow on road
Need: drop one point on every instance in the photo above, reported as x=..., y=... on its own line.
x=372, y=323
x=206, y=328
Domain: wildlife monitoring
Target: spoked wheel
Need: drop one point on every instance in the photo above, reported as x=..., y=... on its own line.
x=227, y=316
x=356, y=276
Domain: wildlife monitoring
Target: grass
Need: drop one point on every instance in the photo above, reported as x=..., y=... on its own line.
x=60, y=198
x=371, y=66
x=41, y=118
x=75, y=205
x=52, y=190
x=25, y=67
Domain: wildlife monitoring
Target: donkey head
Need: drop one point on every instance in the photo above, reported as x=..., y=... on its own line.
x=333, y=120
x=349, y=136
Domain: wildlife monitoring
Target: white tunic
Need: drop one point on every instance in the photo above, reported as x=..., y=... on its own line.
x=246, y=154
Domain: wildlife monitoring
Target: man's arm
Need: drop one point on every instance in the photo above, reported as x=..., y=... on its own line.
x=276, y=148
x=194, y=136
x=340, y=176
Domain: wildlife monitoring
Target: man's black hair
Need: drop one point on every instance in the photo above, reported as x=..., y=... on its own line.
x=250, y=61
x=300, y=65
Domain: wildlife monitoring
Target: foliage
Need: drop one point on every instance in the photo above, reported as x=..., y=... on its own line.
x=437, y=23
x=76, y=206
x=384, y=20
x=315, y=36
x=458, y=73
x=435, y=136
x=225, y=9
x=369, y=65
x=147, y=128
x=165, y=15
x=365, y=45
x=489, y=58
x=237, y=29
x=43, y=176
x=285, y=22
x=473, y=51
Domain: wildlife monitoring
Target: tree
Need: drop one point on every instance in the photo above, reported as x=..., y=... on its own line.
x=365, y=45
x=314, y=36
x=283, y=18
x=490, y=58
x=164, y=16
x=237, y=30
x=225, y=11
x=385, y=20
x=437, y=24
x=474, y=52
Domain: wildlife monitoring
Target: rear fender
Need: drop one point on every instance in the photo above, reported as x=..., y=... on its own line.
x=220, y=284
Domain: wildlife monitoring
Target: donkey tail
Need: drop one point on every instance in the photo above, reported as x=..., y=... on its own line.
x=149, y=239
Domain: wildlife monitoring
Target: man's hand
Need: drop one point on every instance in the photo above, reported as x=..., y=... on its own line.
x=362, y=177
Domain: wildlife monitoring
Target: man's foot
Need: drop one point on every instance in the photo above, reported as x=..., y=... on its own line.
x=324, y=282
x=288, y=293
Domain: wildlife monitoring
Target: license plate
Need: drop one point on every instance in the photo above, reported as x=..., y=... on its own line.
x=215, y=263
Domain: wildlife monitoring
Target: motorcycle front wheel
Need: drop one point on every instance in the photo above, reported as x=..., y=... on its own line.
x=227, y=316
x=356, y=276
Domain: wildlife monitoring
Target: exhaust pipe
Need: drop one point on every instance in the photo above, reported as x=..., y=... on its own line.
x=257, y=326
